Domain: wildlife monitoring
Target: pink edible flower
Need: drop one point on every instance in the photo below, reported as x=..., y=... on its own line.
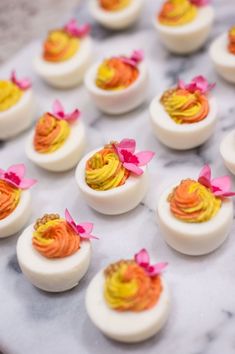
x=143, y=260
x=83, y=229
x=220, y=187
x=59, y=113
x=75, y=30
x=200, y=3
x=15, y=176
x=23, y=84
x=131, y=161
x=198, y=83
x=136, y=57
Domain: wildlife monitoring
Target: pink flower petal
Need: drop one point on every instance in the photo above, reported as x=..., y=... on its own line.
x=200, y=3
x=27, y=183
x=70, y=220
x=157, y=268
x=221, y=186
x=142, y=257
x=127, y=144
x=181, y=84
x=18, y=170
x=58, y=109
x=205, y=172
x=77, y=31
x=87, y=226
x=138, y=55
x=88, y=237
x=144, y=157
x=133, y=168
x=23, y=84
x=71, y=117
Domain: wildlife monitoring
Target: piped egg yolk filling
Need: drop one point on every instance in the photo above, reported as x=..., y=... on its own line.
x=231, y=37
x=192, y=202
x=129, y=288
x=114, y=5
x=60, y=46
x=9, y=198
x=50, y=134
x=53, y=237
x=115, y=74
x=10, y=94
x=177, y=13
x=185, y=107
x=104, y=170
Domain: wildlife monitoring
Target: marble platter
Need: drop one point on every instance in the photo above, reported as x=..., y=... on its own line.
x=202, y=319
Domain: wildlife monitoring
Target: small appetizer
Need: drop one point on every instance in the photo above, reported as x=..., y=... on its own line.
x=17, y=106
x=58, y=141
x=66, y=56
x=222, y=53
x=15, y=199
x=184, y=116
x=119, y=84
x=196, y=216
x=184, y=25
x=114, y=179
x=116, y=14
x=129, y=300
x=54, y=253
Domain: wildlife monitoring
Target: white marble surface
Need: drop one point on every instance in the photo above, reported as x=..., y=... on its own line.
x=202, y=320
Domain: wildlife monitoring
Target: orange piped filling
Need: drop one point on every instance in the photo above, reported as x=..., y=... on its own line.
x=9, y=198
x=114, y=74
x=231, y=37
x=55, y=239
x=60, y=46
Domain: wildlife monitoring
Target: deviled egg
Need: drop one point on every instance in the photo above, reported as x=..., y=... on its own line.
x=222, y=53
x=129, y=301
x=184, y=25
x=196, y=216
x=115, y=14
x=15, y=199
x=119, y=84
x=67, y=54
x=58, y=141
x=17, y=106
x=184, y=116
x=54, y=253
x=114, y=179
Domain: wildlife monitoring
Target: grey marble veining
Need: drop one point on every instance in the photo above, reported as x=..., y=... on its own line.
x=202, y=319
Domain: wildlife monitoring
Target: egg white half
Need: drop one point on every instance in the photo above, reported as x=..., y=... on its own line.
x=194, y=238
x=66, y=157
x=19, y=117
x=223, y=61
x=118, y=101
x=189, y=37
x=114, y=201
x=53, y=275
x=70, y=72
x=18, y=218
x=181, y=136
x=126, y=326
x=116, y=20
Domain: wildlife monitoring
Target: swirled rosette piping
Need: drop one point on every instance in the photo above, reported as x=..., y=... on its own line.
x=192, y=202
x=60, y=46
x=177, y=13
x=53, y=237
x=116, y=74
x=12, y=182
x=231, y=39
x=185, y=107
x=50, y=134
x=133, y=285
x=114, y=5
x=9, y=198
x=104, y=170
